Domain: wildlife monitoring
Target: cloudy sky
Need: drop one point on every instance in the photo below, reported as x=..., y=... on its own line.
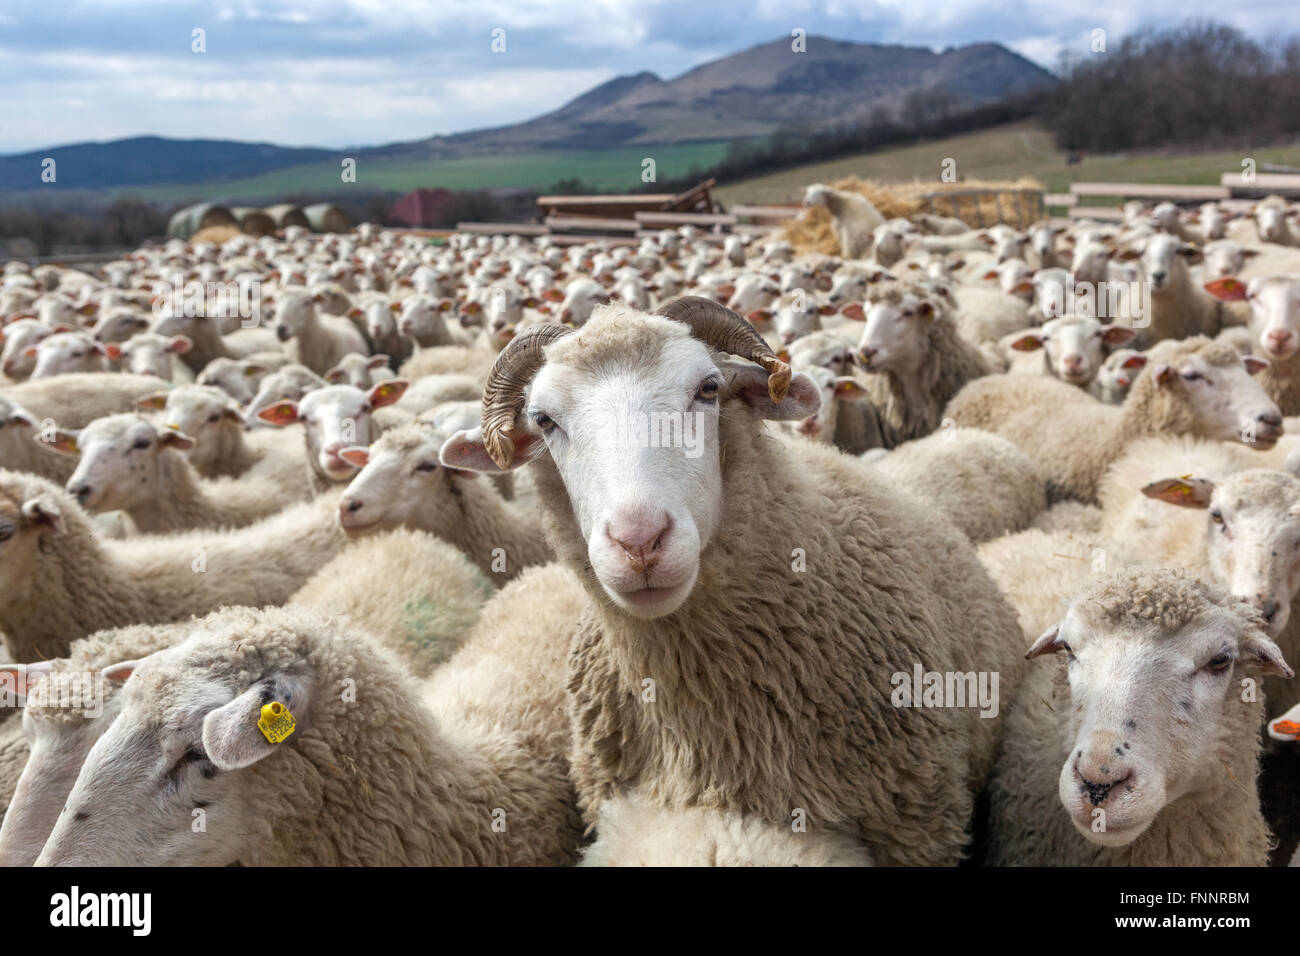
x=345, y=72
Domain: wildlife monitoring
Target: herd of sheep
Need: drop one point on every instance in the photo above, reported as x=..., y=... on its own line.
x=967, y=545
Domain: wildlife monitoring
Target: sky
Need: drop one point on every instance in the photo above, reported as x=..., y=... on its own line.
x=338, y=73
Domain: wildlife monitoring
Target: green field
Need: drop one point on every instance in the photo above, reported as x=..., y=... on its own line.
x=1003, y=153
x=612, y=169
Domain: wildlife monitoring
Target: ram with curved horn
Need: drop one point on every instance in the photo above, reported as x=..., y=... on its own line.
x=768, y=590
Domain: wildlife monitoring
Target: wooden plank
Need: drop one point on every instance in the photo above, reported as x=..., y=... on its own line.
x=573, y=239
x=1097, y=212
x=1150, y=191
x=767, y=212
x=565, y=223
x=1262, y=181
x=685, y=219
x=633, y=199
x=1061, y=199
x=503, y=228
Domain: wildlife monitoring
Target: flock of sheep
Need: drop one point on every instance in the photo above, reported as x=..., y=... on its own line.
x=359, y=550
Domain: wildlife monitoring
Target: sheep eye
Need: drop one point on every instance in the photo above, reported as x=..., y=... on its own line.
x=426, y=466
x=213, y=418
x=194, y=754
x=1069, y=652
x=1220, y=662
x=708, y=391
x=1216, y=517
x=142, y=444
x=543, y=421
x=1192, y=376
x=6, y=533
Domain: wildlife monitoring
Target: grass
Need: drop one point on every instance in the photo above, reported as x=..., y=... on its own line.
x=1004, y=153
x=613, y=169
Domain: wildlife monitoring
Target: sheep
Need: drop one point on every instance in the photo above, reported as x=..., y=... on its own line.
x=1074, y=347
x=837, y=392
x=289, y=384
x=1142, y=750
x=118, y=325
x=68, y=352
x=1042, y=243
x=423, y=321
x=19, y=336
x=334, y=418
x=209, y=343
x=916, y=362
x=954, y=467
x=986, y=315
x=447, y=360
x=240, y=378
x=76, y=399
x=317, y=341
x=685, y=591
x=401, y=483
x=580, y=297
x=1116, y=375
x=63, y=583
x=436, y=775
x=1271, y=221
x=1224, y=258
x=416, y=594
x=361, y=371
x=1197, y=387
x=1178, y=307
x=380, y=325
x=1275, y=329
x=853, y=218
x=128, y=464
x=222, y=448
x=157, y=355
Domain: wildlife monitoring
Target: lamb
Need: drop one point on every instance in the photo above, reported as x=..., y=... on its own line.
x=954, y=467
x=334, y=418
x=128, y=464
x=1179, y=308
x=670, y=568
x=1115, y=377
x=65, y=583
x=317, y=341
x=1074, y=347
x=1197, y=387
x=916, y=362
x=402, y=484
x=1142, y=781
x=853, y=218
x=222, y=448
x=437, y=776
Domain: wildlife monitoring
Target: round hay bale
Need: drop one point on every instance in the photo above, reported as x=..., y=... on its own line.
x=185, y=222
x=216, y=234
x=287, y=214
x=253, y=221
x=327, y=217
x=996, y=202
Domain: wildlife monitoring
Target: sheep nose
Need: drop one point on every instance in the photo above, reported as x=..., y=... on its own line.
x=1097, y=780
x=1267, y=607
x=641, y=539
x=1269, y=418
x=1158, y=276
x=1073, y=362
x=866, y=354
x=350, y=505
x=1278, y=338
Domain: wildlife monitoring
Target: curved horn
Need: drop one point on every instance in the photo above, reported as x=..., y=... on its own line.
x=727, y=331
x=503, y=393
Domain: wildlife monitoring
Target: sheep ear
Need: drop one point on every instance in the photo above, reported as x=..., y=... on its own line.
x=63, y=441
x=1049, y=642
x=465, y=450
x=849, y=389
x=154, y=400
x=1029, y=342
x=231, y=735
x=281, y=413
x=16, y=680
x=1135, y=361
x=334, y=375
x=749, y=384
x=1267, y=654
x=44, y=512
x=854, y=311
x=1117, y=335
x=358, y=455
x=378, y=360
x=1163, y=374
x=178, y=440
x=118, y=673
x=1228, y=289
x=387, y=392
x=1186, y=492
x=180, y=344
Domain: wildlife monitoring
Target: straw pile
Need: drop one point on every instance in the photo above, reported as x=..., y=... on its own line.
x=996, y=202
x=216, y=234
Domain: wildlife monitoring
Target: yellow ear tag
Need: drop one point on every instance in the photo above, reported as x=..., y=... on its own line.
x=276, y=723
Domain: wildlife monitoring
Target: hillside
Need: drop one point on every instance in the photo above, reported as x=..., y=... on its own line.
x=1003, y=153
